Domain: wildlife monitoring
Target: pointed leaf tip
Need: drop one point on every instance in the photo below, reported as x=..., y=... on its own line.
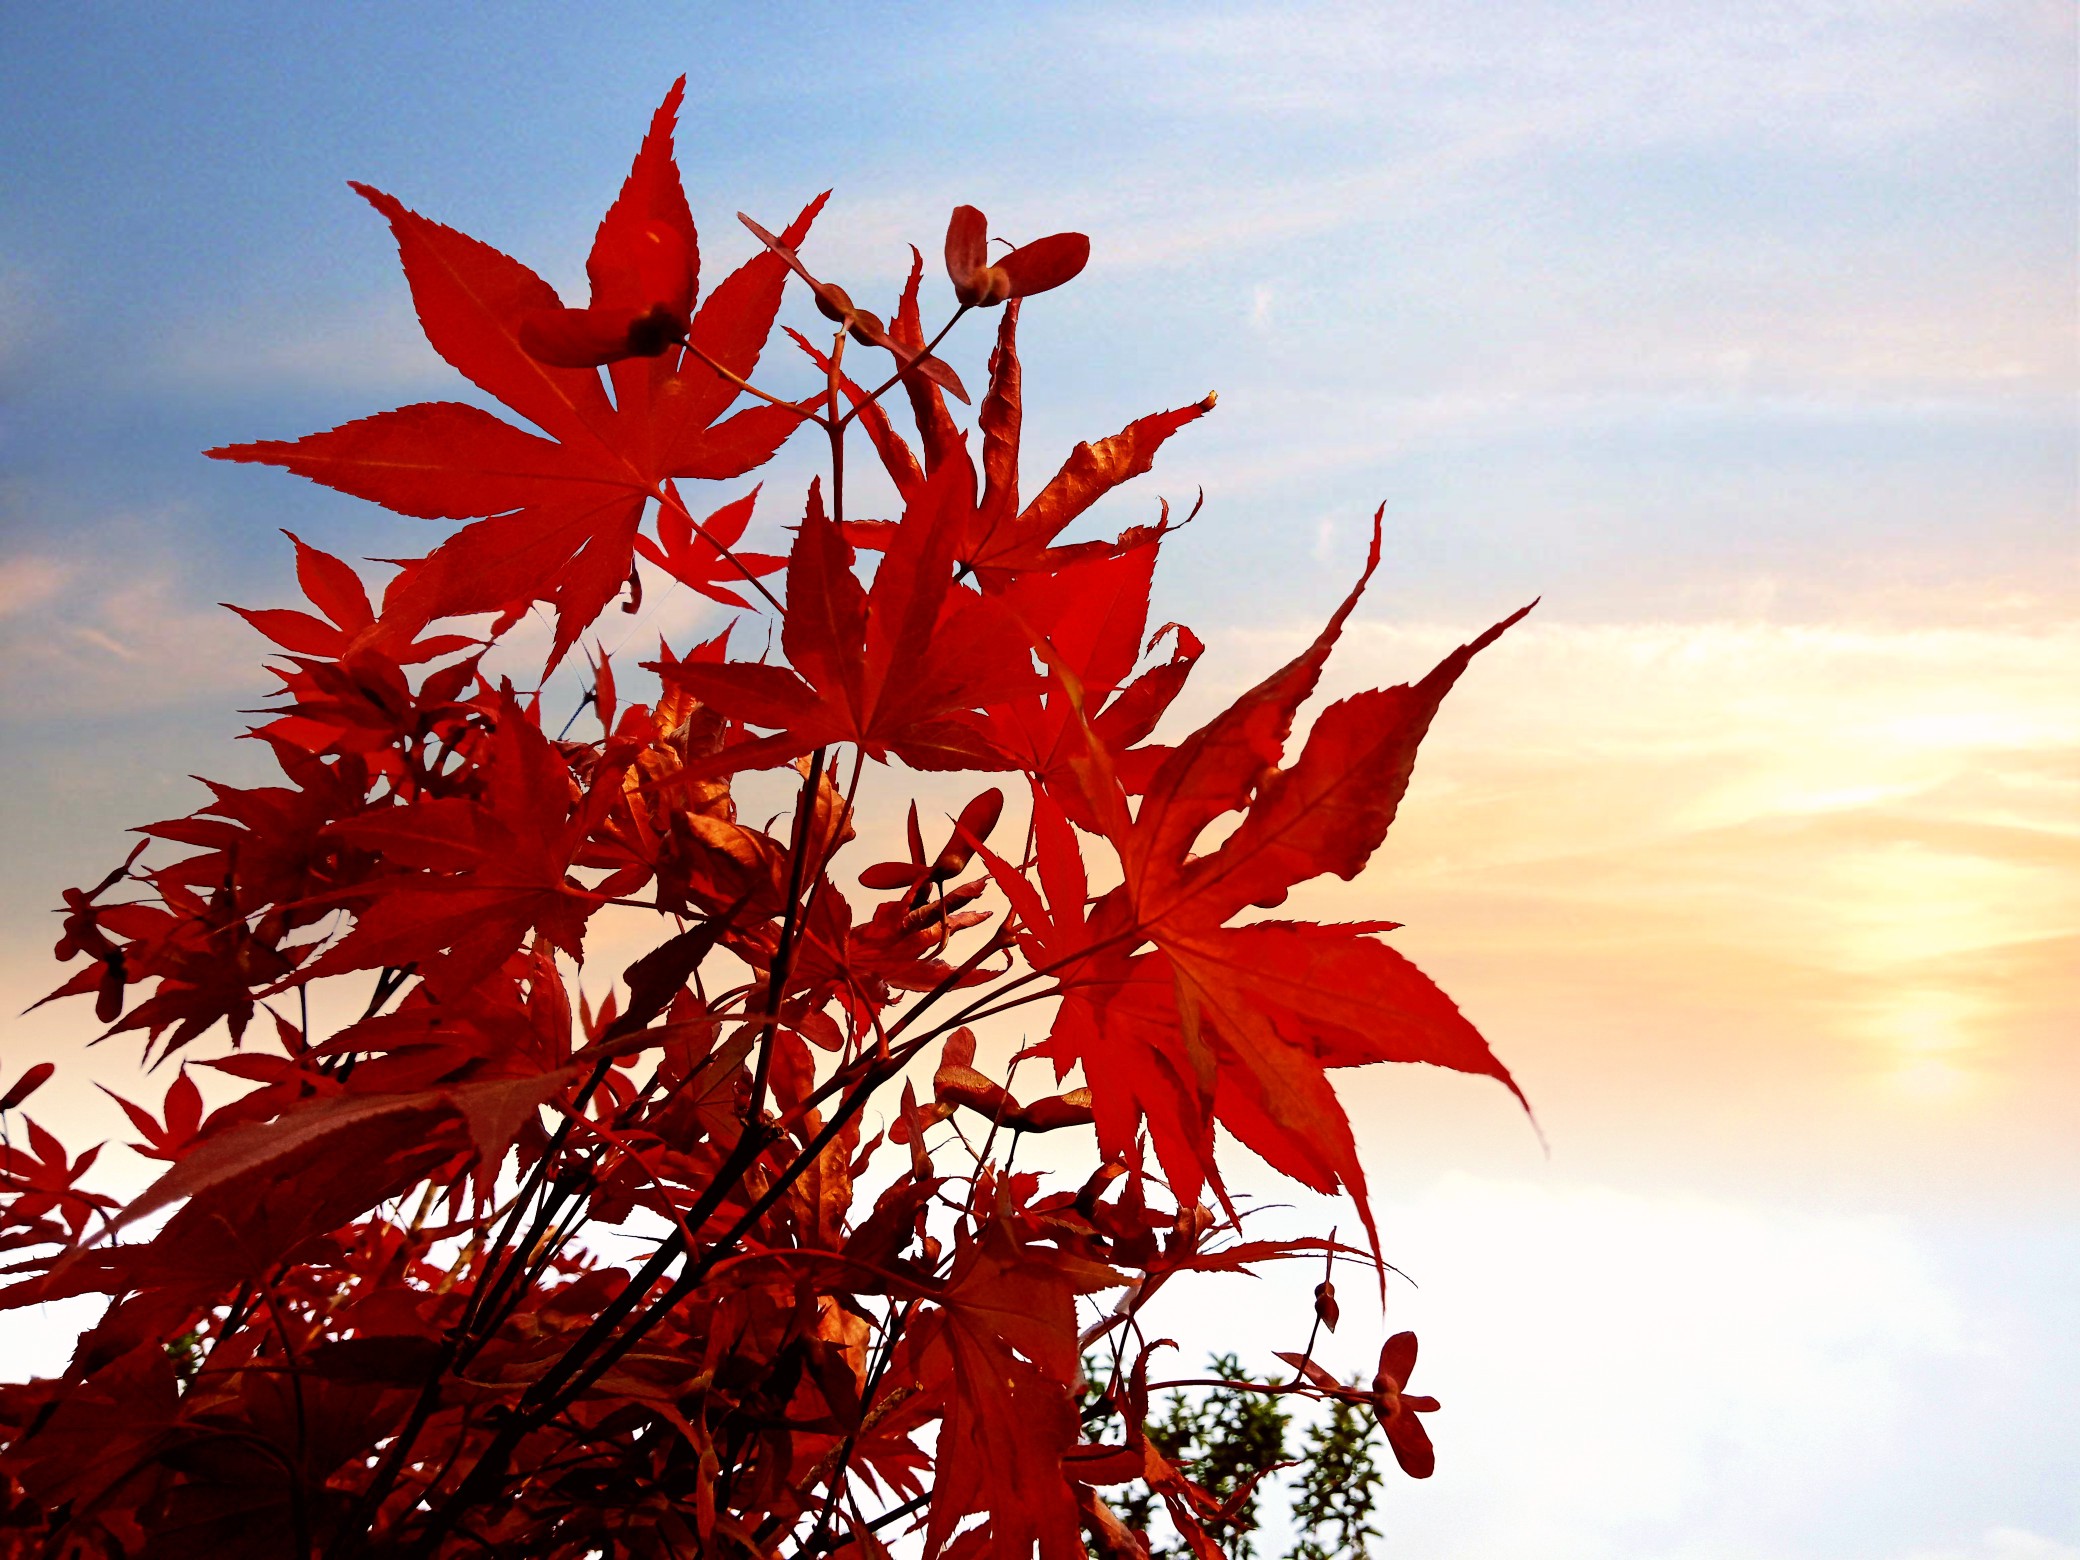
x=26, y=1085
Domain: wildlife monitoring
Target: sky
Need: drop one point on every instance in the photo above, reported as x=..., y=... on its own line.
x=1741, y=335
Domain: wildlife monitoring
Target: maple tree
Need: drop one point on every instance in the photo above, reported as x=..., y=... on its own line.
x=372, y=1306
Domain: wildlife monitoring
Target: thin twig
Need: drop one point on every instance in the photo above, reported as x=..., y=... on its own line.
x=894, y=379
x=751, y=389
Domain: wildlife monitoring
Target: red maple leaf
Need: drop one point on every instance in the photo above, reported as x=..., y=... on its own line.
x=1247, y=1017
x=564, y=510
x=475, y=877
x=896, y=667
x=183, y=1119
x=1092, y=613
x=1002, y=1348
x=705, y=556
x=350, y=625
x=41, y=1181
x=1004, y=537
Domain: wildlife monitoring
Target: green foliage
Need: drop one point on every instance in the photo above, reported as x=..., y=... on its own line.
x=186, y=1354
x=1223, y=1439
x=1227, y=1435
x=1338, y=1491
x=1226, y=1440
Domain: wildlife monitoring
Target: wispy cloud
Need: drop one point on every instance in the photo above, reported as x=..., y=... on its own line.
x=26, y=583
x=1146, y=217
x=2002, y=1543
x=87, y=641
x=1850, y=72
x=1862, y=842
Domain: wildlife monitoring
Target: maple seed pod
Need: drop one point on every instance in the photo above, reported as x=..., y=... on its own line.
x=865, y=327
x=1386, y=1394
x=833, y=302
x=967, y=256
x=1325, y=1305
x=973, y=827
x=590, y=338
x=1056, y=1111
x=108, y=996
x=1045, y=263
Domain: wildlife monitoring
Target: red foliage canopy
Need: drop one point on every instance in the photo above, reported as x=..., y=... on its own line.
x=380, y=1311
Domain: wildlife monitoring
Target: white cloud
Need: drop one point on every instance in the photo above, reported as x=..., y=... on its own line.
x=1629, y=1358
x=1778, y=720
x=1141, y=224
x=1848, y=72
x=1144, y=218
x=1633, y=1375
x=2002, y=1543
x=1487, y=306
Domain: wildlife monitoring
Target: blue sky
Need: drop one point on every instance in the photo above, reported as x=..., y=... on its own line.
x=1742, y=334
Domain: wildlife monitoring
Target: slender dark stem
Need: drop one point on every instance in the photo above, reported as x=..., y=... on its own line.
x=835, y=427
x=498, y=1294
x=790, y=927
x=1328, y=1275
x=456, y=1347
x=814, y=1544
x=234, y=1318
x=691, y=1277
x=388, y=983
x=894, y=379
x=596, y=1349
x=589, y=695
x=299, y=1518
x=483, y=1296
x=749, y=388
x=893, y=1514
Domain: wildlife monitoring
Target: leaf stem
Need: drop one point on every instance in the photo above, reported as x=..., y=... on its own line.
x=751, y=389
x=902, y=368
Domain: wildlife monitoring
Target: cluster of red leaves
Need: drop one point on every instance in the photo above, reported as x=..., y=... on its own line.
x=373, y=1306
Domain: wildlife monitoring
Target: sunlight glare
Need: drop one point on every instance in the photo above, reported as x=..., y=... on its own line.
x=1929, y=1035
